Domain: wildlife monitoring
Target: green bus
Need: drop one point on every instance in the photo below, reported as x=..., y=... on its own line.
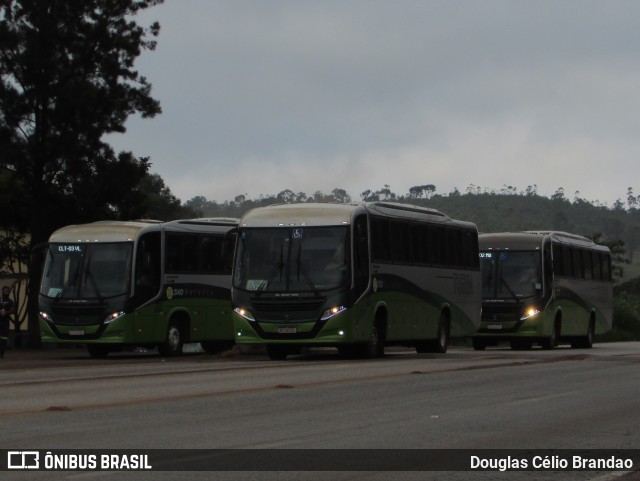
x=114, y=284
x=355, y=276
x=543, y=287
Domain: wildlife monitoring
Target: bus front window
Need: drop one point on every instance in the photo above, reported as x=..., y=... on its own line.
x=510, y=275
x=292, y=260
x=87, y=271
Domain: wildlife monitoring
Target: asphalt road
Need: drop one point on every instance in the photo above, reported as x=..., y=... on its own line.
x=496, y=399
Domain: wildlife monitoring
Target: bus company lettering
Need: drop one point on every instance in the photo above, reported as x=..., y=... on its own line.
x=173, y=292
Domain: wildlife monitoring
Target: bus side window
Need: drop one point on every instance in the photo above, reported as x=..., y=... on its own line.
x=606, y=267
x=361, y=254
x=548, y=268
x=578, y=271
x=228, y=249
x=586, y=262
x=210, y=254
x=147, y=278
x=567, y=265
x=557, y=260
x=380, y=242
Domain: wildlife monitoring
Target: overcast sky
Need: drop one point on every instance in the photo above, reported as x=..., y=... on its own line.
x=261, y=96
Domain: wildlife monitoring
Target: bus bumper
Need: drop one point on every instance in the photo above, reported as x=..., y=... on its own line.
x=115, y=332
x=533, y=327
x=333, y=332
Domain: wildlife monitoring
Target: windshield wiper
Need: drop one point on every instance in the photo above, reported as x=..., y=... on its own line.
x=277, y=271
x=305, y=274
x=513, y=294
x=89, y=275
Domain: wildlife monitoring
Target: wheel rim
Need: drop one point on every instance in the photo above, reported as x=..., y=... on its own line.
x=443, y=336
x=173, y=338
x=375, y=340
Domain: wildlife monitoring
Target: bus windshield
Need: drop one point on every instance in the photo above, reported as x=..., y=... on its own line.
x=87, y=271
x=510, y=274
x=292, y=259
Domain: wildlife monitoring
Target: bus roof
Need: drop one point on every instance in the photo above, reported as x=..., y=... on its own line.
x=311, y=214
x=530, y=240
x=123, y=231
x=101, y=231
x=216, y=221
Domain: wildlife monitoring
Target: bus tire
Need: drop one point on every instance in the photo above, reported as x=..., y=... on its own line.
x=585, y=342
x=277, y=353
x=478, y=344
x=553, y=340
x=98, y=351
x=441, y=343
x=374, y=347
x=174, y=340
x=378, y=336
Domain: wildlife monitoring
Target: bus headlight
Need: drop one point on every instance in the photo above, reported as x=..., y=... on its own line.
x=529, y=312
x=244, y=313
x=45, y=316
x=333, y=311
x=113, y=316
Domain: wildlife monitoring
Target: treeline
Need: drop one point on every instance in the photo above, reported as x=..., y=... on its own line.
x=626, y=313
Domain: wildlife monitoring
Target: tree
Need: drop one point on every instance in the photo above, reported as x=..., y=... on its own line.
x=159, y=203
x=341, y=196
x=632, y=200
x=416, y=192
x=66, y=80
x=286, y=196
x=618, y=254
x=385, y=193
x=370, y=196
x=559, y=194
x=14, y=256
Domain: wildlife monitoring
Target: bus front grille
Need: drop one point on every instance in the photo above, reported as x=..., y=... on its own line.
x=78, y=315
x=288, y=309
x=501, y=313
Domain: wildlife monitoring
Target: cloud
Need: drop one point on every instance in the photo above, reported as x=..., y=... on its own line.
x=259, y=97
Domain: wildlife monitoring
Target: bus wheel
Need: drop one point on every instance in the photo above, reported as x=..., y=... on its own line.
x=585, y=342
x=441, y=343
x=277, y=353
x=552, y=341
x=172, y=346
x=98, y=351
x=375, y=346
x=478, y=344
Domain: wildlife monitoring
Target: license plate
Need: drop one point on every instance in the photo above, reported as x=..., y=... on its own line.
x=494, y=326
x=78, y=332
x=287, y=330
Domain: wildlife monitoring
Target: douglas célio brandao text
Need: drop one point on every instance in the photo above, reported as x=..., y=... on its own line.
x=550, y=462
